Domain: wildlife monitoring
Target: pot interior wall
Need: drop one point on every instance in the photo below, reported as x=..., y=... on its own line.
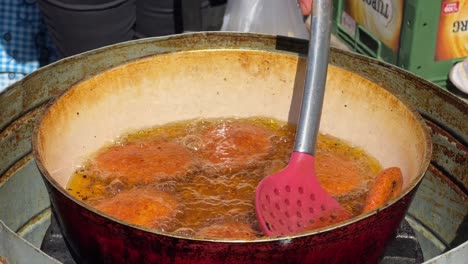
x=225, y=83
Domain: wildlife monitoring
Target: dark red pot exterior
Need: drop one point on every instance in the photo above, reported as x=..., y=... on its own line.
x=96, y=239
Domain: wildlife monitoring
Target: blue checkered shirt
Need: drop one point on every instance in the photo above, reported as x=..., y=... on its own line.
x=24, y=43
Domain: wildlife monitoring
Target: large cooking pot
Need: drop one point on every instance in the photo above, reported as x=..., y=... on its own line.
x=221, y=75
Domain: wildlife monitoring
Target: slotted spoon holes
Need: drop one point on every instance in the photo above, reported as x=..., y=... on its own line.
x=291, y=209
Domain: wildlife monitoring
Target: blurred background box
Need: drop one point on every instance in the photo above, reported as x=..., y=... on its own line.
x=426, y=37
x=202, y=15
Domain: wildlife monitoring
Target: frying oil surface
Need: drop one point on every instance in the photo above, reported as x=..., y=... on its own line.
x=198, y=178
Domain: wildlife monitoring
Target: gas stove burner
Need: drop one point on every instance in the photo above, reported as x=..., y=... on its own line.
x=404, y=248
x=54, y=244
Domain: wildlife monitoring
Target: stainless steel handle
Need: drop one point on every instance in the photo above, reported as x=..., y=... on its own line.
x=314, y=87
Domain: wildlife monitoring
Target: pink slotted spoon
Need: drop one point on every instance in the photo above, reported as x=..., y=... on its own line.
x=292, y=200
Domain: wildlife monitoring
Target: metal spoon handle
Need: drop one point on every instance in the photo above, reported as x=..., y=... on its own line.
x=316, y=75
